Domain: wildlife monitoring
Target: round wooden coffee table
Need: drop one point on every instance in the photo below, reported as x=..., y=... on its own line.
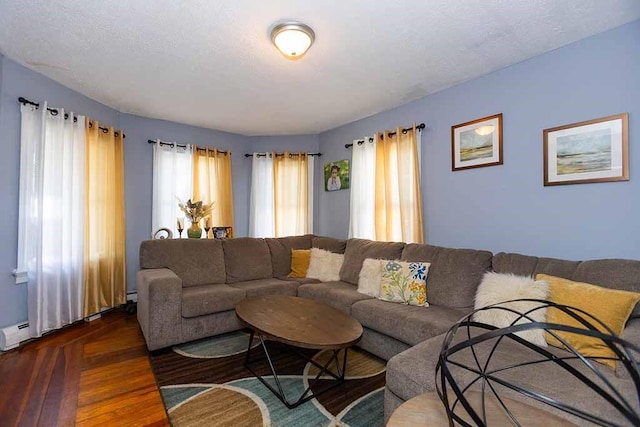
x=301, y=323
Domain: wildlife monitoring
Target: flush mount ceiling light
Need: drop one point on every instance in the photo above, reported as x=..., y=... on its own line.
x=293, y=39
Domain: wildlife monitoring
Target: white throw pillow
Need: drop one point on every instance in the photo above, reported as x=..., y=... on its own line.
x=370, y=275
x=324, y=265
x=497, y=287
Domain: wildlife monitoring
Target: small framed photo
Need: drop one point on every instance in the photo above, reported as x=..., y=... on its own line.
x=222, y=232
x=336, y=175
x=477, y=143
x=591, y=151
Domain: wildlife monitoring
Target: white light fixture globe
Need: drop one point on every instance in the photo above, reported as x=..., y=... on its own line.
x=293, y=39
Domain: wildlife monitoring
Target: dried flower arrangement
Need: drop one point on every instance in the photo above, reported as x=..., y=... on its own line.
x=195, y=211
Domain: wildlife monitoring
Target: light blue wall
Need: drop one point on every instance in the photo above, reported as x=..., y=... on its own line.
x=138, y=175
x=18, y=81
x=506, y=208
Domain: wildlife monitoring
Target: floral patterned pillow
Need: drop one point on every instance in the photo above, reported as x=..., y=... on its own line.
x=404, y=282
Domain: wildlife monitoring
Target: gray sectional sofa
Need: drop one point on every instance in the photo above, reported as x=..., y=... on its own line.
x=188, y=288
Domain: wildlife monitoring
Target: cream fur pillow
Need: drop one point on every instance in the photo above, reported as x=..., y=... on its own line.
x=324, y=265
x=496, y=288
x=370, y=275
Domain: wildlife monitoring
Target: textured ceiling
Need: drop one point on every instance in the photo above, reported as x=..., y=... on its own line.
x=211, y=63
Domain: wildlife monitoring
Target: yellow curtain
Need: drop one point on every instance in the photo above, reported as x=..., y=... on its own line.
x=104, y=220
x=291, y=194
x=212, y=183
x=398, y=204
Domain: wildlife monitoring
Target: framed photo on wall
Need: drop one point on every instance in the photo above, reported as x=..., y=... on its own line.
x=336, y=175
x=591, y=151
x=477, y=143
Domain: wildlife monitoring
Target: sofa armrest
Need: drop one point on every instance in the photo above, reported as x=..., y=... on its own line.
x=159, y=306
x=631, y=333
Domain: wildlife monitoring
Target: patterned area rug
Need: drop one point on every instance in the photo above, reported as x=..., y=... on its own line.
x=205, y=383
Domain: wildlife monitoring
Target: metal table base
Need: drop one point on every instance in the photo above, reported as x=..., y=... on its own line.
x=306, y=395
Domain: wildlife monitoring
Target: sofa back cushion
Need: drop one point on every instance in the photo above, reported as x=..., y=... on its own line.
x=331, y=244
x=246, y=258
x=524, y=265
x=195, y=261
x=280, y=248
x=358, y=250
x=621, y=274
x=454, y=274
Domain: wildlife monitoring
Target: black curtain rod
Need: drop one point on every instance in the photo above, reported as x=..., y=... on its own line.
x=54, y=112
x=171, y=144
x=404, y=131
x=280, y=154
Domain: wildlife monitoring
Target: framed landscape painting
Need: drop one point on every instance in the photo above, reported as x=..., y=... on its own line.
x=591, y=151
x=477, y=143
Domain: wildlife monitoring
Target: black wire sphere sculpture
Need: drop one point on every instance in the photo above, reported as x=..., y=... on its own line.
x=483, y=368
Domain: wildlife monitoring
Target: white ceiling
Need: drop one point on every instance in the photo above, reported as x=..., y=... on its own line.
x=211, y=63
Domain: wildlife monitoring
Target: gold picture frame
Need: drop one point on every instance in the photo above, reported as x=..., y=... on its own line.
x=590, y=151
x=222, y=232
x=477, y=143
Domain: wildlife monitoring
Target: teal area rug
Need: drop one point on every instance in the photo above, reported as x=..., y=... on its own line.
x=205, y=383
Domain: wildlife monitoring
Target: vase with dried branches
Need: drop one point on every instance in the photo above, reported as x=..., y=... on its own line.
x=195, y=211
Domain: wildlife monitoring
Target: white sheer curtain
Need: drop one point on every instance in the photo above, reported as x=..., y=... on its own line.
x=386, y=200
x=261, y=210
x=51, y=216
x=172, y=180
x=310, y=192
x=363, y=190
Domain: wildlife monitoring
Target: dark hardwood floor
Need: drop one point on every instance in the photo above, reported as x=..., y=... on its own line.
x=87, y=374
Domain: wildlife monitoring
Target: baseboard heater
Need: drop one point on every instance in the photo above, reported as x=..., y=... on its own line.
x=12, y=336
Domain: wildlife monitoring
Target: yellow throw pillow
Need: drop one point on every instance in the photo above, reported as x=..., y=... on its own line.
x=299, y=262
x=611, y=306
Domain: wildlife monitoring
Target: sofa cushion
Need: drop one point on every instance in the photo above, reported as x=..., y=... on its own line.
x=412, y=372
x=340, y=295
x=330, y=244
x=454, y=274
x=525, y=265
x=504, y=290
x=255, y=288
x=247, y=258
x=208, y=299
x=358, y=250
x=610, y=273
x=280, y=249
x=195, y=261
x=324, y=265
x=610, y=306
x=300, y=280
x=300, y=259
x=623, y=274
x=370, y=277
x=404, y=282
x=631, y=334
x=406, y=323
